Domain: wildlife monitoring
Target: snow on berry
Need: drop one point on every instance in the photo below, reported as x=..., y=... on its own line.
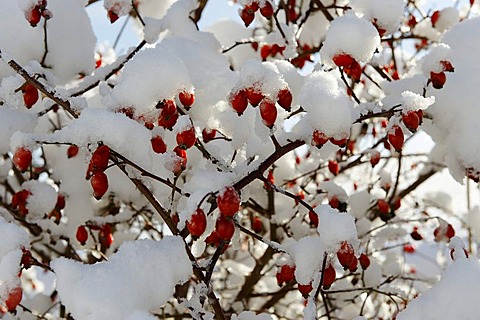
x=42, y=199
x=332, y=114
x=308, y=255
x=457, y=136
x=335, y=228
x=13, y=239
x=386, y=15
x=350, y=35
x=118, y=7
x=262, y=77
x=143, y=83
x=414, y=102
x=433, y=61
x=94, y=291
x=11, y=121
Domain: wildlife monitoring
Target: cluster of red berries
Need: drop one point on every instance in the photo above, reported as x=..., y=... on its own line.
x=387, y=211
x=240, y=99
x=35, y=13
x=95, y=172
x=438, y=79
x=303, y=56
x=319, y=139
x=350, y=66
x=248, y=12
x=105, y=235
x=19, y=201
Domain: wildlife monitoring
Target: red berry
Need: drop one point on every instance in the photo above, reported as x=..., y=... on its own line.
x=319, y=139
x=339, y=142
x=253, y=96
x=383, y=206
x=329, y=276
x=267, y=10
x=333, y=167
x=285, y=99
x=33, y=16
x=265, y=51
x=287, y=273
x=112, y=16
x=334, y=202
x=438, y=79
x=435, y=17
x=408, y=248
x=186, y=98
x=346, y=255
x=247, y=16
x=99, y=161
x=447, y=66
x=167, y=119
x=225, y=228
x=180, y=163
x=411, y=120
x=364, y=261
x=72, y=151
x=313, y=219
x=228, y=202
x=268, y=112
x=60, y=202
x=99, y=182
x=197, y=223
x=354, y=265
x=82, y=235
x=30, y=95
x=213, y=239
x=14, y=298
x=158, y=145
x=416, y=236
x=354, y=70
x=342, y=60
x=239, y=101
x=105, y=236
x=22, y=159
x=257, y=225
x=186, y=139
x=305, y=289
x=208, y=134
x=374, y=158
x=395, y=137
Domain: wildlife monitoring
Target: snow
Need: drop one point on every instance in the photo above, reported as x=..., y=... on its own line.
x=334, y=228
x=263, y=76
x=14, y=239
x=12, y=121
x=386, y=14
x=144, y=82
x=453, y=297
x=448, y=17
x=42, y=199
x=308, y=256
x=432, y=62
x=459, y=135
x=119, y=7
x=413, y=101
x=332, y=114
x=351, y=35
x=95, y=292
x=249, y=315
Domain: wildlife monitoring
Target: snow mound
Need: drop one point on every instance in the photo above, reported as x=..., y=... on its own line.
x=117, y=288
x=453, y=297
